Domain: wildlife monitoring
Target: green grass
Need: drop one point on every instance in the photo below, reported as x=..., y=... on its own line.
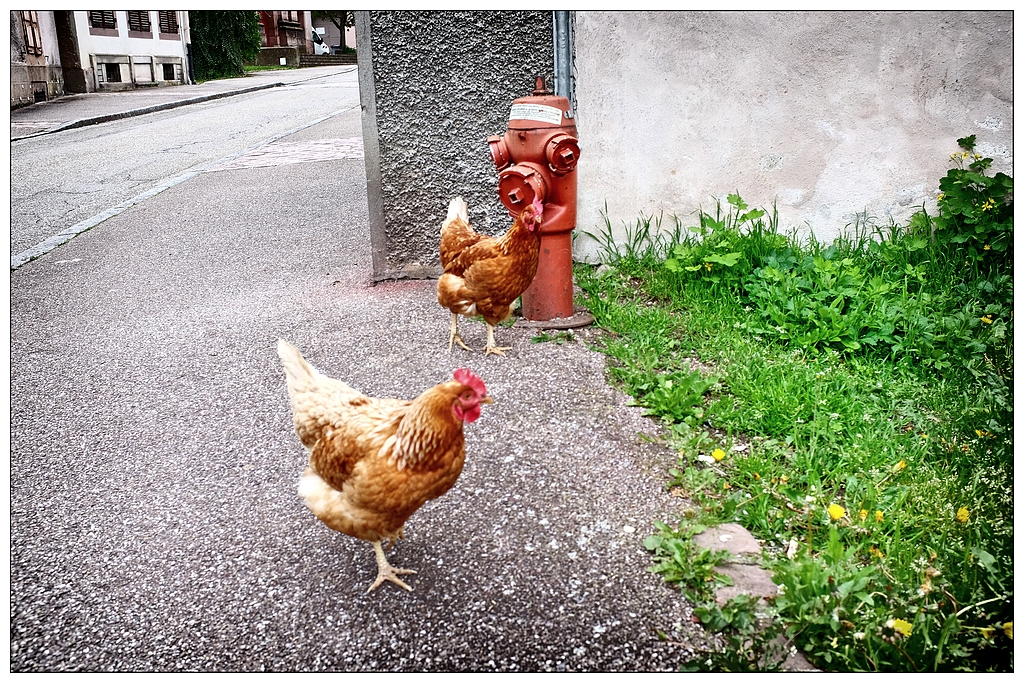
x=851, y=404
x=271, y=67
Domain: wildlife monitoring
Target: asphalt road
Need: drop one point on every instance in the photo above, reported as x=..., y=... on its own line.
x=155, y=524
x=61, y=179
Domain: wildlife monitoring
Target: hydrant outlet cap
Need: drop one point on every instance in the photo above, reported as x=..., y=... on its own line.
x=499, y=151
x=563, y=153
x=519, y=185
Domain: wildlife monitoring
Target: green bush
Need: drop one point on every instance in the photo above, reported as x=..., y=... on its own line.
x=223, y=41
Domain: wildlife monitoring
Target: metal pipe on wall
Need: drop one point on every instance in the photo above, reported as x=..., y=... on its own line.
x=561, y=21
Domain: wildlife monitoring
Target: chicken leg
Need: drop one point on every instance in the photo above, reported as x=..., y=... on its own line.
x=492, y=346
x=386, y=572
x=455, y=334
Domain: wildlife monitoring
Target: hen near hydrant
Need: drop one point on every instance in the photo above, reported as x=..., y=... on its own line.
x=485, y=275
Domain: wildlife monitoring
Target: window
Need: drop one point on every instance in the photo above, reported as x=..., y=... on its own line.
x=102, y=19
x=113, y=72
x=139, y=22
x=169, y=72
x=33, y=39
x=168, y=21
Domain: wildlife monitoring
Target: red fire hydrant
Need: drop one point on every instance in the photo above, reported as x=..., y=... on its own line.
x=537, y=158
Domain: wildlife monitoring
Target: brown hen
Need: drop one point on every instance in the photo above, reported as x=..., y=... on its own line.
x=485, y=275
x=374, y=461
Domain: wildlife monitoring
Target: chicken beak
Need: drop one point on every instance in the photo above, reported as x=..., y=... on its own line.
x=486, y=399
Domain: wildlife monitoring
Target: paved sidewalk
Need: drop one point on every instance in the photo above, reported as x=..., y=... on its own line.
x=154, y=520
x=72, y=111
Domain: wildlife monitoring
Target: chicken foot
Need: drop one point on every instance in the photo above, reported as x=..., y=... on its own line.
x=454, y=337
x=385, y=572
x=492, y=346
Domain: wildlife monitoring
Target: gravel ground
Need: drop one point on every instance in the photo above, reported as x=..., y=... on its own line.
x=155, y=524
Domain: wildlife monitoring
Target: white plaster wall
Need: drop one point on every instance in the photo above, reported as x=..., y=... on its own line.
x=828, y=114
x=89, y=44
x=48, y=32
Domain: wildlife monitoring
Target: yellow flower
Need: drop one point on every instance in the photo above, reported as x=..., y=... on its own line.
x=940, y=197
x=962, y=515
x=783, y=478
x=1008, y=629
x=718, y=454
x=875, y=552
x=757, y=476
x=904, y=628
x=878, y=516
x=987, y=319
x=836, y=512
x=988, y=632
x=987, y=247
x=708, y=266
x=726, y=486
x=863, y=515
x=900, y=466
x=924, y=436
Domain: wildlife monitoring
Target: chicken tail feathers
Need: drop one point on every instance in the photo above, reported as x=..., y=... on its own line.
x=457, y=209
x=301, y=375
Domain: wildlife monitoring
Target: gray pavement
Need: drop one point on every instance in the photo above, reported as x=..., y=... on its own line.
x=155, y=524
x=86, y=109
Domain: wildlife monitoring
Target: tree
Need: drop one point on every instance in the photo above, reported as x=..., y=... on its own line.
x=222, y=41
x=340, y=18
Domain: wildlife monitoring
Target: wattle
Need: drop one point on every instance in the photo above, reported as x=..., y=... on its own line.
x=469, y=415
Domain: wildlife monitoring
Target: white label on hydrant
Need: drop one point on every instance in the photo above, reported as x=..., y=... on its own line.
x=536, y=112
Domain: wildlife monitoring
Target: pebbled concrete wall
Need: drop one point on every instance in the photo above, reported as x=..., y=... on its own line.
x=433, y=86
x=828, y=113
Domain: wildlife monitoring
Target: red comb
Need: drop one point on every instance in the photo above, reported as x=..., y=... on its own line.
x=538, y=206
x=466, y=377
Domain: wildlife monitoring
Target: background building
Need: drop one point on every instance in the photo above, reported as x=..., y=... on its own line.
x=36, y=73
x=70, y=51
x=286, y=35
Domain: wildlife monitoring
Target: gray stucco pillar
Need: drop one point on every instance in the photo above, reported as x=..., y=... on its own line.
x=433, y=86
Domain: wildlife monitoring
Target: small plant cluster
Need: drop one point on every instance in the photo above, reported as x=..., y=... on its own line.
x=851, y=404
x=751, y=634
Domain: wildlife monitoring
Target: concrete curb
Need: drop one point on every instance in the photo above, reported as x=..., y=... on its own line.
x=144, y=110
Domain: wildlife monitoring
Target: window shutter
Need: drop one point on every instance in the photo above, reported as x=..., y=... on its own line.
x=102, y=19
x=138, y=21
x=168, y=21
x=33, y=38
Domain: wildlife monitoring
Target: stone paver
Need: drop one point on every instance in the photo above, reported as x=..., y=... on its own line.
x=291, y=152
x=748, y=577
